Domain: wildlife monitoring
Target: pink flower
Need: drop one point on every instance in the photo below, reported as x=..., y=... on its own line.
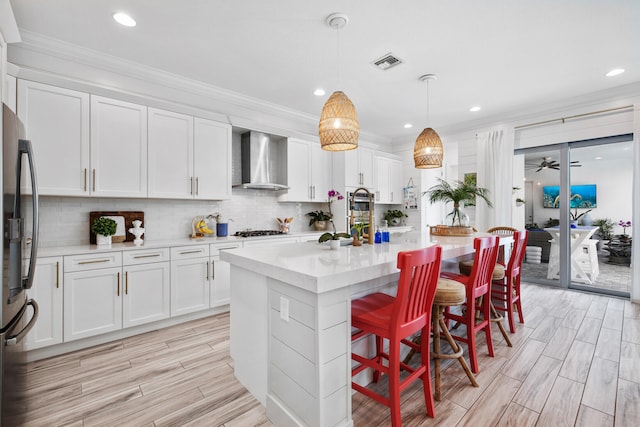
x=331, y=196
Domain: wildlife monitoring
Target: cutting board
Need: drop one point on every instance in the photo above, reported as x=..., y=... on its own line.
x=124, y=219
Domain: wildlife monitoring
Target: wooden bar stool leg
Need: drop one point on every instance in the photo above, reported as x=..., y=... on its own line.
x=497, y=318
x=439, y=327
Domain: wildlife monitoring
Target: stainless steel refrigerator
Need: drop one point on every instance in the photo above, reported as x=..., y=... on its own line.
x=20, y=228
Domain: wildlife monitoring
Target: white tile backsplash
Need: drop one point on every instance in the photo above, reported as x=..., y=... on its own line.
x=65, y=220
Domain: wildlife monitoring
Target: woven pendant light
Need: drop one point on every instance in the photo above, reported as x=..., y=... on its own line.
x=338, y=128
x=428, y=150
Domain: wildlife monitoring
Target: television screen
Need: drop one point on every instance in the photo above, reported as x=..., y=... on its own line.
x=582, y=196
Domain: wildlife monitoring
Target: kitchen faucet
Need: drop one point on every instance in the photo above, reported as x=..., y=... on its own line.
x=368, y=234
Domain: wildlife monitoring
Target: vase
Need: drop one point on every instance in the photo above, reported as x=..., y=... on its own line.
x=103, y=240
x=394, y=222
x=587, y=220
x=457, y=217
x=357, y=241
x=320, y=225
x=334, y=244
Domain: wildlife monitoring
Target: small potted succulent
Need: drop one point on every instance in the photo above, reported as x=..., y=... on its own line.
x=104, y=228
x=394, y=217
x=319, y=220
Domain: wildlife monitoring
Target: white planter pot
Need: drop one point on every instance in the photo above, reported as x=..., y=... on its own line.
x=334, y=244
x=103, y=240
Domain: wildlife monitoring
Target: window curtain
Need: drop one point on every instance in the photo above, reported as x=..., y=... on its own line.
x=495, y=173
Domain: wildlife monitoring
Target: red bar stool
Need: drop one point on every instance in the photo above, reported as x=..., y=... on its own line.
x=395, y=319
x=477, y=285
x=505, y=292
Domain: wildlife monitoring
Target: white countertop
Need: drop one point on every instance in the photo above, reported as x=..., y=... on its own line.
x=162, y=243
x=316, y=268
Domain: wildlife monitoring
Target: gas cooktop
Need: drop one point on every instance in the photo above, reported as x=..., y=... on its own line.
x=254, y=233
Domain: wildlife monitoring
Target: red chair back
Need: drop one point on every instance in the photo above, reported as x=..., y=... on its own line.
x=517, y=254
x=419, y=272
x=484, y=261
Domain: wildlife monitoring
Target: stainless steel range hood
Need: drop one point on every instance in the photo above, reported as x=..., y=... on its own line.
x=264, y=161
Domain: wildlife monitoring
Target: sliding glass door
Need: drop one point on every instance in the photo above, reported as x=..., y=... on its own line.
x=577, y=194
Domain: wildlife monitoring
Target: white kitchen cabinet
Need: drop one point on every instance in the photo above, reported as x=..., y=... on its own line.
x=170, y=155
x=118, y=148
x=92, y=302
x=211, y=160
x=10, y=93
x=359, y=168
x=308, y=172
x=188, y=158
x=48, y=291
x=57, y=123
x=190, y=279
x=147, y=287
x=220, y=282
x=388, y=180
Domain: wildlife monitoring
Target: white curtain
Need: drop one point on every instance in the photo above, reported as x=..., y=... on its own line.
x=495, y=173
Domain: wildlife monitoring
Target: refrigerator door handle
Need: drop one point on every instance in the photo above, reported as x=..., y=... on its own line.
x=15, y=339
x=24, y=147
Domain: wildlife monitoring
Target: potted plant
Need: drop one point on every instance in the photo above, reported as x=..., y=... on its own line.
x=394, y=216
x=333, y=238
x=104, y=228
x=319, y=220
x=458, y=193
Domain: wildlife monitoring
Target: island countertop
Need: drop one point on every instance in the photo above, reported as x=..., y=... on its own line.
x=316, y=268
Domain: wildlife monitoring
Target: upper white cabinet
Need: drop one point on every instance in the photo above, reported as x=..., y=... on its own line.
x=188, y=158
x=57, y=123
x=170, y=155
x=212, y=159
x=308, y=172
x=118, y=148
x=355, y=168
x=388, y=180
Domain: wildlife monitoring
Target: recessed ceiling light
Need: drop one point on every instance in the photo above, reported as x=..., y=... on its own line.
x=408, y=125
x=615, y=72
x=475, y=108
x=598, y=157
x=124, y=19
x=319, y=92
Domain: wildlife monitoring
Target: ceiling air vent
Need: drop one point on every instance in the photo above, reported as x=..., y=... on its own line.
x=387, y=61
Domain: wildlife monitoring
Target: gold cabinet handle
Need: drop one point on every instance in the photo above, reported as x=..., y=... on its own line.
x=118, y=283
x=126, y=283
x=93, y=261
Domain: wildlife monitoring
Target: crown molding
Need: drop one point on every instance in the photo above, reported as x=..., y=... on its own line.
x=252, y=107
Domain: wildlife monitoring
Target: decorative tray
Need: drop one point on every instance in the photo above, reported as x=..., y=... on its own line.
x=445, y=230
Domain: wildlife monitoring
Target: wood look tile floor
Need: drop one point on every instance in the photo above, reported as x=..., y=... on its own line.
x=575, y=362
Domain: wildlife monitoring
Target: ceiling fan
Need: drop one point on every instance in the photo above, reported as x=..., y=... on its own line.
x=549, y=163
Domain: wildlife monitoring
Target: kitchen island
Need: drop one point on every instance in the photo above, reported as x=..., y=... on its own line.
x=291, y=320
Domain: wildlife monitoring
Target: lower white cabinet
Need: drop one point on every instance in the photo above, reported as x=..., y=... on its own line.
x=47, y=291
x=220, y=285
x=92, y=302
x=146, y=293
x=190, y=277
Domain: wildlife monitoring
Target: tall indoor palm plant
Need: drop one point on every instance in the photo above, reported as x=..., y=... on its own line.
x=460, y=192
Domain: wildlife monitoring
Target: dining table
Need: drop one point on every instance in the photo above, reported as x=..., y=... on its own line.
x=580, y=235
x=290, y=321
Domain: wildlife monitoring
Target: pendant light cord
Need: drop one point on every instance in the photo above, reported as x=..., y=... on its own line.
x=427, y=103
x=337, y=57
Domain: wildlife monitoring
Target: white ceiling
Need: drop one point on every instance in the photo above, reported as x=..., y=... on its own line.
x=505, y=55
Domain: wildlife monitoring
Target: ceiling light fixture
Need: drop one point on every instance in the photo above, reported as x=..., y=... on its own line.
x=338, y=128
x=475, y=108
x=319, y=92
x=408, y=125
x=615, y=72
x=428, y=151
x=124, y=19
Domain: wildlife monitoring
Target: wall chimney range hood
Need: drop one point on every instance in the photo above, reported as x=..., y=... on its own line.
x=264, y=161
